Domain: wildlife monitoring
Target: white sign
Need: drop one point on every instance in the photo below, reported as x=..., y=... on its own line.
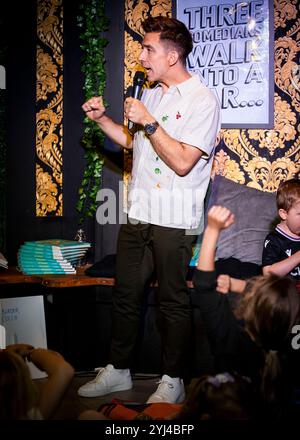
x=2, y=77
x=233, y=55
x=24, y=322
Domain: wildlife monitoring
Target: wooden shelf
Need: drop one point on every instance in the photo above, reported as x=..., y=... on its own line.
x=13, y=276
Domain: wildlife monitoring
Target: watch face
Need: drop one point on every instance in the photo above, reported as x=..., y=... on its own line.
x=151, y=128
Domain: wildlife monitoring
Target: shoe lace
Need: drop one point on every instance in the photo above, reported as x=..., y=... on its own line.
x=100, y=371
x=162, y=384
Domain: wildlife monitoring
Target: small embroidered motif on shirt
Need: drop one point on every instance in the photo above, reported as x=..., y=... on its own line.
x=157, y=158
x=157, y=171
x=164, y=118
x=178, y=115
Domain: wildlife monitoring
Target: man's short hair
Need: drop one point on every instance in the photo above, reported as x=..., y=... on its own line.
x=288, y=193
x=172, y=30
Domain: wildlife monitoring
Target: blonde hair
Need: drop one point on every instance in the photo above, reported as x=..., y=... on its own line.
x=18, y=395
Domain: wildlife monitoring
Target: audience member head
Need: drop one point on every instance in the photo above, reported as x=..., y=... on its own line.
x=18, y=395
x=173, y=32
x=288, y=194
x=288, y=204
x=221, y=397
x=270, y=308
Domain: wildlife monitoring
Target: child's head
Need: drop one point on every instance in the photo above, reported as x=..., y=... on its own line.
x=221, y=397
x=270, y=308
x=18, y=395
x=288, y=193
x=288, y=204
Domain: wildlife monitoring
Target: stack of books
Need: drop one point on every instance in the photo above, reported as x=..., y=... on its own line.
x=53, y=256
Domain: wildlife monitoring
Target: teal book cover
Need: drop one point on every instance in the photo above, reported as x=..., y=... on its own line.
x=37, y=264
x=49, y=251
x=47, y=272
x=44, y=263
x=59, y=243
x=28, y=256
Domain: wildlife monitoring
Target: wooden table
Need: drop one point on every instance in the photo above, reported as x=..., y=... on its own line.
x=13, y=276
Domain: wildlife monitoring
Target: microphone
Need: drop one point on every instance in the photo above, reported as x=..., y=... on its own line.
x=136, y=92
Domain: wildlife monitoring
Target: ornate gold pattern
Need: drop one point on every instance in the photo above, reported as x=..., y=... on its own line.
x=49, y=113
x=284, y=130
x=46, y=192
x=263, y=158
x=132, y=51
x=136, y=11
x=161, y=7
x=284, y=10
x=286, y=68
x=227, y=167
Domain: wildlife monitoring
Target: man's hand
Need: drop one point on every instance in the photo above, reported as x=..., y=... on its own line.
x=94, y=108
x=136, y=112
x=219, y=218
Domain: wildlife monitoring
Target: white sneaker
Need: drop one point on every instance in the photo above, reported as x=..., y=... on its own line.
x=170, y=389
x=108, y=380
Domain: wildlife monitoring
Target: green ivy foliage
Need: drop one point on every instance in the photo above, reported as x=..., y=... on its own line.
x=92, y=23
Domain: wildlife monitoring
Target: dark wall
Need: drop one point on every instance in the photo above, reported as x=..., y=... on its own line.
x=106, y=235
x=20, y=74
x=21, y=82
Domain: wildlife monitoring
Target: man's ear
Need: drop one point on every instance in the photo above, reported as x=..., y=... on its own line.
x=173, y=57
x=282, y=214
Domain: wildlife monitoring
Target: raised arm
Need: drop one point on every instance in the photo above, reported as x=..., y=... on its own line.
x=95, y=110
x=219, y=321
x=219, y=218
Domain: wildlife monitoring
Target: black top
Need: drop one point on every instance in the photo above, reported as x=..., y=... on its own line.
x=231, y=345
x=277, y=247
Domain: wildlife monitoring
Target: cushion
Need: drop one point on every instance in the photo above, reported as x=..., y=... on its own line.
x=254, y=210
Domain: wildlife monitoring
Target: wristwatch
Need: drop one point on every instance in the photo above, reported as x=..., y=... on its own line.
x=151, y=128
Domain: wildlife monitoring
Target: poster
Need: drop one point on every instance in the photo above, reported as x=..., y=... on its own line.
x=233, y=55
x=23, y=319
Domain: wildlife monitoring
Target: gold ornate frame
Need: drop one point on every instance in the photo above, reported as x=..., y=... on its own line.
x=49, y=108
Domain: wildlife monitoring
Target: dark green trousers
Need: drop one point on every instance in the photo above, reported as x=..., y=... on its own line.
x=141, y=248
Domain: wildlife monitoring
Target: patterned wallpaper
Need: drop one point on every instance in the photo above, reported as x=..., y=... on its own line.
x=257, y=158
x=49, y=108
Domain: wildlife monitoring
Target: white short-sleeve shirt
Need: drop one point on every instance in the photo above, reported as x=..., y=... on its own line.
x=189, y=112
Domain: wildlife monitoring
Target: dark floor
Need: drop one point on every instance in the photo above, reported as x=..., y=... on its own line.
x=72, y=404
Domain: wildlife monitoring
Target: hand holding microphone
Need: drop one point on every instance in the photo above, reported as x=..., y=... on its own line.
x=136, y=93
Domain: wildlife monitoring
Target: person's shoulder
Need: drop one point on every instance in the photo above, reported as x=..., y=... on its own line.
x=149, y=93
x=204, y=92
x=273, y=236
x=276, y=239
